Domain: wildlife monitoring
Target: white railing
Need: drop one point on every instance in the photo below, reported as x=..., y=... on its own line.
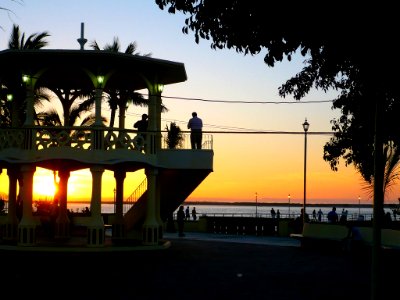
x=87, y=138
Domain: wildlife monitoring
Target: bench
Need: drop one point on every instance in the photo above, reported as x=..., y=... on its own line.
x=391, y=239
x=324, y=235
x=363, y=237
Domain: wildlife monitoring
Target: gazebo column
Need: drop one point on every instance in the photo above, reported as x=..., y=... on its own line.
x=27, y=225
x=152, y=230
x=98, y=96
x=153, y=140
x=98, y=139
x=118, y=227
x=62, y=222
x=11, y=222
x=95, y=229
x=30, y=82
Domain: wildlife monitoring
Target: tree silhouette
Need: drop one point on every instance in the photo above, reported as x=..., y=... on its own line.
x=15, y=106
x=33, y=42
x=121, y=99
x=174, y=137
x=344, y=50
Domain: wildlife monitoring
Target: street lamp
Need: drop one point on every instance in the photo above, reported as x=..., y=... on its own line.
x=289, y=204
x=306, y=125
x=359, y=206
x=256, y=204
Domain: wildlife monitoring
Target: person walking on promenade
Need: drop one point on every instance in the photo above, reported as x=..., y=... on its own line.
x=180, y=218
x=306, y=217
x=278, y=214
x=187, y=213
x=314, y=215
x=195, y=125
x=332, y=216
x=194, y=214
x=273, y=213
x=320, y=213
x=343, y=216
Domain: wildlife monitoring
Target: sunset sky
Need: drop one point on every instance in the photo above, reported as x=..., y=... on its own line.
x=269, y=166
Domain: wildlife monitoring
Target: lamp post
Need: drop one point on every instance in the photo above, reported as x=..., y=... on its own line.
x=256, y=204
x=359, y=206
x=289, y=204
x=306, y=125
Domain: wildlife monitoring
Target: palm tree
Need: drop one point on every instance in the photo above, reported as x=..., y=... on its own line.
x=391, y=171
x=14, y=110
x=120, y=99
x=33, y=42
x=116, y=46
x=73, y=109
x=17, y=41
x=76, y=111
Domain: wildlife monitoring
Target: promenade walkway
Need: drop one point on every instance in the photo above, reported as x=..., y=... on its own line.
x=243, y=239
x=197, y=266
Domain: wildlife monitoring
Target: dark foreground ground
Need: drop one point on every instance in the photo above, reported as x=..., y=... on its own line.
x=192, y=269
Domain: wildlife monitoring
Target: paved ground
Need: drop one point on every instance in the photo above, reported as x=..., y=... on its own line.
x=197, y=266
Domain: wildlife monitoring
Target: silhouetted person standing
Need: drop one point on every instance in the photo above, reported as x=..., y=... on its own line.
x=194, y=214
x=332, y=215
x=195, y=125
x=141, y=126
x=320, y=213
x=187, y=213
x=180, y=218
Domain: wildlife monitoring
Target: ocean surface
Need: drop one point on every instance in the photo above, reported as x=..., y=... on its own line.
x=251, y=210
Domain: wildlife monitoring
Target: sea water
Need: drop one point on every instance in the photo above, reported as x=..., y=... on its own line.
x=251, y=210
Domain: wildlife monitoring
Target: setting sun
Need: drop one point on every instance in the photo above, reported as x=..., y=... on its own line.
x=43, y=185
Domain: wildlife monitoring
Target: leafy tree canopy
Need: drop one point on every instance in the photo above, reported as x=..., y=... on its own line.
x=346, y=47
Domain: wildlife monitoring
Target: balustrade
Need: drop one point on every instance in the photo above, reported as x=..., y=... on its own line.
x=84, y=138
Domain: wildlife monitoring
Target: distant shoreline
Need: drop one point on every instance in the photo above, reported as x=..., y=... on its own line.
x=280, y=204
x=277, y=204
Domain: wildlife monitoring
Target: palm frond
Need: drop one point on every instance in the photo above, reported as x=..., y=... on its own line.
x=94, y=45
x=13, y=42
x=131, y=49
x=49, y=117
x=391, y=171
x=114, y=47
x=36, y=41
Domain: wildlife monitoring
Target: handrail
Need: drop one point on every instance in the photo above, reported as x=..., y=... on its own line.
x=137, y=193
x=207, y=141
x=351, y=217
x=85, y=137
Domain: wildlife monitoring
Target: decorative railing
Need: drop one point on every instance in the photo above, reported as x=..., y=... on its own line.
x=11, y=138
x=87, y=138
x=207, y=141
x=137, y=193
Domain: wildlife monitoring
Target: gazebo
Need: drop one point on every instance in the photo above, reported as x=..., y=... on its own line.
x=171, y=174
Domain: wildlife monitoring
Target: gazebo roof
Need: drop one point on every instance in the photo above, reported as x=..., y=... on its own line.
x=69, y=69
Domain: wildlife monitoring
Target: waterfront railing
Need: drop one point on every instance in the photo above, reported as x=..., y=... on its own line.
x=350, y=217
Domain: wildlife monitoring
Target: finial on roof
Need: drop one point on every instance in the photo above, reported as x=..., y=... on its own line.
x=82, y=41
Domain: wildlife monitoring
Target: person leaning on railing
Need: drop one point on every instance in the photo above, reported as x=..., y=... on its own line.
x=195, y=125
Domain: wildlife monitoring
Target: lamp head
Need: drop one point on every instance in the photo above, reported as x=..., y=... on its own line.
x=306, y=125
